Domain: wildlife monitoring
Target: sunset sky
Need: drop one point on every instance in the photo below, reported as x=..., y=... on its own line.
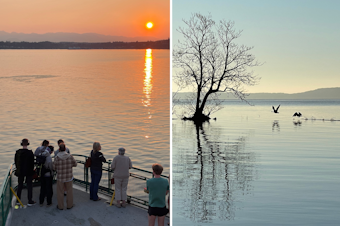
x=298, y=41
x=108, y=17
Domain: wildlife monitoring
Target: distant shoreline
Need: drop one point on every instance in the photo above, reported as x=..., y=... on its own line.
x=161, y=44
x=318, y=94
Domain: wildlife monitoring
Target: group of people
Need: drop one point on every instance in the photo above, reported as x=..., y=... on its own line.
x=157, y=187
x=63, y=163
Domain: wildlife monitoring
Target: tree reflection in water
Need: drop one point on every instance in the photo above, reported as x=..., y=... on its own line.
x=210, y=172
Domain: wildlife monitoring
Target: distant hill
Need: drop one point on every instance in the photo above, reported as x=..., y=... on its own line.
x=318, y=94
x=68, y=37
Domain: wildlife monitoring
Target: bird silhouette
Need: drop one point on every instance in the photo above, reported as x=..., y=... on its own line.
x=298, y=114
x=276, y=110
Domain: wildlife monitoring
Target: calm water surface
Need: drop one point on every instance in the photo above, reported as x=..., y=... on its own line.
x=116, y=97
x=254, y=167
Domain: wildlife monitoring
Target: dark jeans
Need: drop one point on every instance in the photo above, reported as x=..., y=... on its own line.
x=46, y=190
x=29, y=186
x=96, y=175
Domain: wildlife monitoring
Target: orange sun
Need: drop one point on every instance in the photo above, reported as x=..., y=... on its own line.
x=149, y=25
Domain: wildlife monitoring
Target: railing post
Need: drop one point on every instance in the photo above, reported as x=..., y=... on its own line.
x=10, y=183
x=108, y=176
x=86, y=175
x=10, y=193
x=2, y=209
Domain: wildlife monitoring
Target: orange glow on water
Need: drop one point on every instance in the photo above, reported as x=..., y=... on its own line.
x=147, y=89
x=147, y=85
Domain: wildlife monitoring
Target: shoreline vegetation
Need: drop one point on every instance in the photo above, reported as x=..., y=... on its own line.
x=318, y=94
x=161, y=44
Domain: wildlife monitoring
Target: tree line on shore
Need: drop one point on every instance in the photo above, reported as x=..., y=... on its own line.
x=161, y=44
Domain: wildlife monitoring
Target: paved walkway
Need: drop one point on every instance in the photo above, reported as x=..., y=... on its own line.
x=85, y=212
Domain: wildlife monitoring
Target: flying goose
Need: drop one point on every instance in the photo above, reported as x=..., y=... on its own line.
x=276, y=110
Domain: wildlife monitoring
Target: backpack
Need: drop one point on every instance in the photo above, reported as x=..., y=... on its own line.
x=40, y=160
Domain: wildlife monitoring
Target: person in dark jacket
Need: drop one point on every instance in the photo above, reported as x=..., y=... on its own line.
x=97, y=159
x=24, y=162
x=46, y=179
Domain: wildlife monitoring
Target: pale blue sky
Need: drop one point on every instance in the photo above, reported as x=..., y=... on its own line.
x=299, y=41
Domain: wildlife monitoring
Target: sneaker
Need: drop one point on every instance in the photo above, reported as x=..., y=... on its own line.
x=31, y=203
x=17, y=204
x=118, y=205
x=41, y=204
x=48, y=205
x=123, y=205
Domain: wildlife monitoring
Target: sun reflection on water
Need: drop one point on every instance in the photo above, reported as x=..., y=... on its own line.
x=147, y=89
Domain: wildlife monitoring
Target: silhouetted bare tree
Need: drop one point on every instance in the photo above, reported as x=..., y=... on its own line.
x=209, y=60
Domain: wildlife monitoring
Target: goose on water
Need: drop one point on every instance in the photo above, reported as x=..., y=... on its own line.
x=298, y=114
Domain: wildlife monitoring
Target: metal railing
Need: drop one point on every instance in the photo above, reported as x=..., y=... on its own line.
x=137, y=182
x=6, y=195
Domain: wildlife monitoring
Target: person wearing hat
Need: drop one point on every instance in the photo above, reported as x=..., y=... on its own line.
x=24, y=163
x=121, y=165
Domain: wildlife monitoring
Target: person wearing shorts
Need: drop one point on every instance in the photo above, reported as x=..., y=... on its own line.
x=157, y=188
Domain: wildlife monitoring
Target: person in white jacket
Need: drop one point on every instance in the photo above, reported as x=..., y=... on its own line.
x=121, y=165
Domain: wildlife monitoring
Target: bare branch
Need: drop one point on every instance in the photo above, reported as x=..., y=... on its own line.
x=209, y=60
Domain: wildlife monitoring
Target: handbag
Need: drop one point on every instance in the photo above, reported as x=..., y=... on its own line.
x=112, y=180
x=88, y=162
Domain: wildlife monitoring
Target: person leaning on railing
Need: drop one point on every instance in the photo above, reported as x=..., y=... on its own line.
x=121, y=165
x=97, y=159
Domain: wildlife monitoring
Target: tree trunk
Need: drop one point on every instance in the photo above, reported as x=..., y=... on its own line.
x=198, y=116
